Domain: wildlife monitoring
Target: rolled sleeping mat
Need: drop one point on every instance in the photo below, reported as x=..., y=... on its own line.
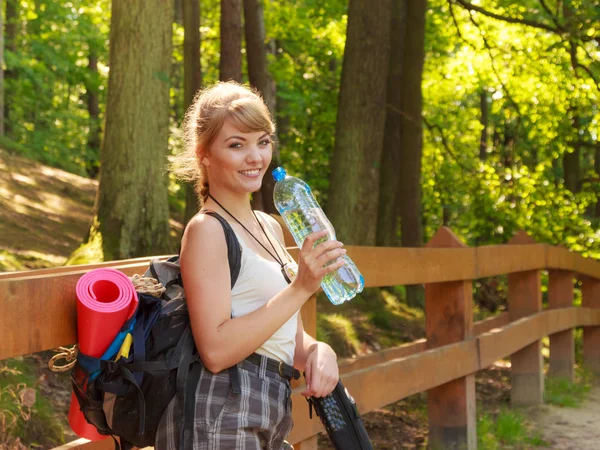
x=106, y=299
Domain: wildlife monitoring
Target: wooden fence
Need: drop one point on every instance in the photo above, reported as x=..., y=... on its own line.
x=38, y=313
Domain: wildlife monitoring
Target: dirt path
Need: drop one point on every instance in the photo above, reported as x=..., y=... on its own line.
x=572, y=428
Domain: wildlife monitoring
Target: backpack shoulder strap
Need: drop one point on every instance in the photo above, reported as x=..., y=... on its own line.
x=234, y=250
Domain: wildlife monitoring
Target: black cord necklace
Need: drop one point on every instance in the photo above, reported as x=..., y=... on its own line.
x=287, y=272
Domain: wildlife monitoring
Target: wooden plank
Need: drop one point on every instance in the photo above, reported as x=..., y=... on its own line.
x=81, y=268
x=562, y=344
x=486, y=325
x=308, y=444
x=362, y=362
x=590, y=291
x=391, y=266
x=587, y=266
x=502, y=342
x=377, y=385
x=84, y=444
x=449, y=319
x=411, y=348
x=524, y=299
x=560, y=258
x=388, y=382
x=309, y=321
x=504, y=259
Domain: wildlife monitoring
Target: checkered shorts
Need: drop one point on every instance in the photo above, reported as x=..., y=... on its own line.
x=258, y=418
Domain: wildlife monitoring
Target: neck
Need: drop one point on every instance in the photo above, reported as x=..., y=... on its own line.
x=237, y=205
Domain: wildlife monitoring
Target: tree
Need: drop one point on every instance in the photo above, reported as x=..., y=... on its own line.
x=95, y=133
x=9, y=37
x=230, y=65
x=400, y=187
x=1, y=71
x=133, y=211
x=259, y=77
x=192, y=80
x=353, y=197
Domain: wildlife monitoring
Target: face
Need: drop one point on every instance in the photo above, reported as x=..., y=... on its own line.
x=237, y=160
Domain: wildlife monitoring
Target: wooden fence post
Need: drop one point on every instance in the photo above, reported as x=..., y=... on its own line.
x=591, y=335
x=449, y=319
x=562, y=344
x=524, y=299
x=309, y=320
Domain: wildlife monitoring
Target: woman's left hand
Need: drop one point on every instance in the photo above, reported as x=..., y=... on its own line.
x=321, y=371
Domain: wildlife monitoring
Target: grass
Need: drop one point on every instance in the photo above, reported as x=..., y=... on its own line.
x=508, y=429
x=375, y=319
x=25, y=416
x=566, y=393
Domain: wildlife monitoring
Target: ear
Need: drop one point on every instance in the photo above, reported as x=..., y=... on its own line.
x=203, y=157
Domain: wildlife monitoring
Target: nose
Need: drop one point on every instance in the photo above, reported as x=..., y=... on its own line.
x=254, y=154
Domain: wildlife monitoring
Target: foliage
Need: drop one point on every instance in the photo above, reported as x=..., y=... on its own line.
x=46, y=94
x=541, y=107
x=25, y=416
x=570, y=394
x=508, y=429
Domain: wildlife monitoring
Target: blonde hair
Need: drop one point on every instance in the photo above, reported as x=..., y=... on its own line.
x=203, y=122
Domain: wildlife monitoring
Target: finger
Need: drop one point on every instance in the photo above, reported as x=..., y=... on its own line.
x=310, y=240
x=325, y=247
x=330, y=257
x=316, y=385
x=308, y=375
x=332, y=267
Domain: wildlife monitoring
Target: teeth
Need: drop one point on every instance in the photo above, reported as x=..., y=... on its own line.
x=250, y=172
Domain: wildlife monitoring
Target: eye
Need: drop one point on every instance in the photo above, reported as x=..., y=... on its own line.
x=235, y=145
x=265, y=142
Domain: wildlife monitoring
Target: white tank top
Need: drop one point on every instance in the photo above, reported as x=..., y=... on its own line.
x=258, y=282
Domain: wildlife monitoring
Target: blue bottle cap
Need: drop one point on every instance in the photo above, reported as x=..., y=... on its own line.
x=279, y=174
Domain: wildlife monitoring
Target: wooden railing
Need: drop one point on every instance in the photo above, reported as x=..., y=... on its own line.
x=38, y=313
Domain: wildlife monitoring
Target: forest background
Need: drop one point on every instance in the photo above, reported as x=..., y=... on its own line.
x=479, y=116
x=402, y=115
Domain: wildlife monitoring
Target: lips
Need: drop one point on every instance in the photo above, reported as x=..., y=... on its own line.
x=250, y=173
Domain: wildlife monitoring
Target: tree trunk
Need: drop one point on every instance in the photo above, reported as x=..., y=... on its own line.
x=179, y=13
x=258, y=74
x=1, y=70
x=230, y=66
x=597, y=170
x=133, y=209
x=192, y=80
x=354, y=191
x=95, y=133
x=411, y=143
x=10, y=43
x=401, y=161
x=388, y=223
x=484, y=120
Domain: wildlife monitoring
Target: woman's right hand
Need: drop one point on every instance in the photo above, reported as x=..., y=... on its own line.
x=313, y=260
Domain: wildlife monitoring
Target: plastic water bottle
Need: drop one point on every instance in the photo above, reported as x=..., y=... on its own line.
x=303, y=215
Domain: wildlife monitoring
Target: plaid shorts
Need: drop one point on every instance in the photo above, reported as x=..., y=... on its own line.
x=258, y=418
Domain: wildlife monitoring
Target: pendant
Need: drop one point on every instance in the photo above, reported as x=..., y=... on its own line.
x=288, y=273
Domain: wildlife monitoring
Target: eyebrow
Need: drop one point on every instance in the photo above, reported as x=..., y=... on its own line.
x=244, y=139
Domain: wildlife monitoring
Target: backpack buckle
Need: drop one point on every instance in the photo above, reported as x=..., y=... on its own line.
x=109, y=366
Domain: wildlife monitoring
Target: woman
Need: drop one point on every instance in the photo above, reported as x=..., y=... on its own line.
x=255, y=325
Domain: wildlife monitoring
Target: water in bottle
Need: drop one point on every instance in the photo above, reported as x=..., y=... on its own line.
x=303, y=215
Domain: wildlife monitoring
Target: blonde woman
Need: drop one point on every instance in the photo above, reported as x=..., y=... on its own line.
x=254, y=327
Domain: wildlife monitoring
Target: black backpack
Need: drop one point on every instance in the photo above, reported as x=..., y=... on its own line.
x=126, y=391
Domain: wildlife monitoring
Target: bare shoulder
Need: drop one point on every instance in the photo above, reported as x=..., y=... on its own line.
x=203, y=230
x=271, y=221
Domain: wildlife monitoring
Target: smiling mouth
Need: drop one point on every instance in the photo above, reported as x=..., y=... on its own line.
x=251, y=173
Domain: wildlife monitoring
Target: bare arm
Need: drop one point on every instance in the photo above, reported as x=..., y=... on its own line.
x=223, y=341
